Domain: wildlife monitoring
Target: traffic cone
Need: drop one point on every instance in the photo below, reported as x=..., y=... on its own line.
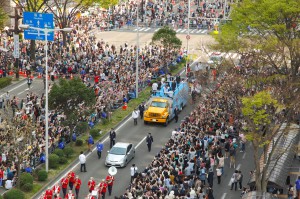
x=31, y=77
x=124, y=107
x=39, y=76
x=55, y=76
x=11, y=73
x=71, y=77
x=20, y=72
x=24, y=75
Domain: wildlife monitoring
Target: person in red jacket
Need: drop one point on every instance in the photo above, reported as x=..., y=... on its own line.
x=1, y=176
x=77, y=184
x=110, y=182
x=102, y=189
x=49, y=193
x=70, y=195
x=91, y=184
x=71, y=176
x=56, y=189
x=64, y=185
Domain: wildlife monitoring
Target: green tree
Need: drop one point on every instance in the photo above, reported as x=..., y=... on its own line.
x=107, y=3
x=258, y=111
x=166, y=38
x=267, y=33
x=3, y=18
x=271, y=27
x=72, y=97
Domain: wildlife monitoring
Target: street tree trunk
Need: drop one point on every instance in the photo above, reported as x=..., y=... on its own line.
x=32, y=50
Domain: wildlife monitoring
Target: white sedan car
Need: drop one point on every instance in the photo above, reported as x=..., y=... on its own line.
x=120, y=154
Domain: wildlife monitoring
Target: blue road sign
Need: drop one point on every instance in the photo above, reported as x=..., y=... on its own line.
x=38, y=20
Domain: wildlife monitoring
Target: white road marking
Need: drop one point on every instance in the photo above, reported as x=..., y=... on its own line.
x=237, y=168
x=141, y=29
x=156, y=30
x=183, y=30
x=198, y=31
x=140, y=142
x=204, y=31
x=17, y=87
x=147, y=29
x=244, y=155
x=178, y=30
x=223, y=195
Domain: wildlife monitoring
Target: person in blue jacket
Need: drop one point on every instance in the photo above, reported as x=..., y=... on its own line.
x=99, y=149
x=90, y=143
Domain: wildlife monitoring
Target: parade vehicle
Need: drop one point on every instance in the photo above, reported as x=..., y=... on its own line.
x=120, y=154
x=160, y=108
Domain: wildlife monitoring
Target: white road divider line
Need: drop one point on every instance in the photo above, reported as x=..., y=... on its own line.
x=244, y=155
x=16, y=87
x=223, y=195
x=237, y=168
x=140, y=142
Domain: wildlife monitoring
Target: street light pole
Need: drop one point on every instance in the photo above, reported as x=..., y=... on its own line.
x=137, y=55
x=188, y=37
x=46, y=32
x=46, y=103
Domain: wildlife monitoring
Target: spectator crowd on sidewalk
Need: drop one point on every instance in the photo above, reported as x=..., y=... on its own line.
x=105, y=68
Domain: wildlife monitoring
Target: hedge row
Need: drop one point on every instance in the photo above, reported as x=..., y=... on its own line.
x=5, y=81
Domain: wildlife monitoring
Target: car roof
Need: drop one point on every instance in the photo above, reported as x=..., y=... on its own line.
x=121, y=144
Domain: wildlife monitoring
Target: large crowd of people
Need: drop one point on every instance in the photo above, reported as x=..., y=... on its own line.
x=105, y=68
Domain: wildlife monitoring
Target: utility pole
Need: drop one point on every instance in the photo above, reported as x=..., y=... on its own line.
x=137, y=54
x=16, y=40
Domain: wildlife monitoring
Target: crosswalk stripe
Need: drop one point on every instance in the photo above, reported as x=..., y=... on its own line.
x=135, y=29
x=178, y=30
x=141, y=29
x=183, y=30
x=198, y=31
x=156, y=30
x=203, y=31
x=147, y=29
x=193, y=31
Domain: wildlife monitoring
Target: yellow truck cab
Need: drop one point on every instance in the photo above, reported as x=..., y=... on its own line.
x=160, y=107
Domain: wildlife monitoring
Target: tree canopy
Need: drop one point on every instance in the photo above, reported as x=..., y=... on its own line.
x=107, y=3
x=268, y=29
x=167, y=38
x=67, y=95
x=3, y=17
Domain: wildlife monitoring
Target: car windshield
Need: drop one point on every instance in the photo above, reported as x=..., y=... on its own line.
x=118, y=151
x=158, y=104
